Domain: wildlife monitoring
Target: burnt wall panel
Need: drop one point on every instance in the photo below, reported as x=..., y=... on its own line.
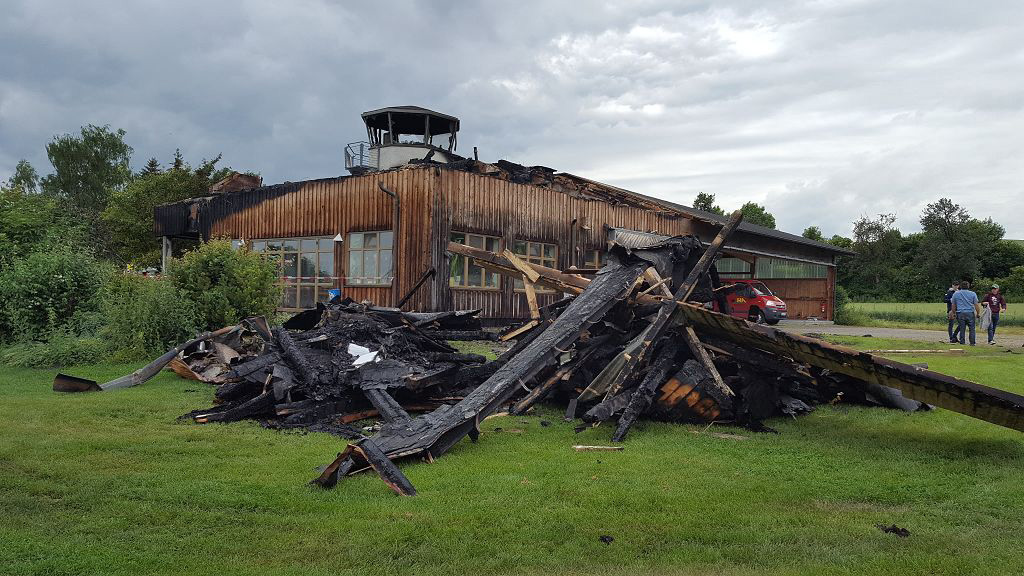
x=333, y=206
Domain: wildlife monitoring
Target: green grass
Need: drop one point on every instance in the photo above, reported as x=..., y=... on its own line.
x=111, y=483
x=927, y=315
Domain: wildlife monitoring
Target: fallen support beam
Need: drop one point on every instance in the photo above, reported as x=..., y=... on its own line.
x=581, y=448
x=65, y=383
x=701, y=354
x=968, y=398
x=644, y=394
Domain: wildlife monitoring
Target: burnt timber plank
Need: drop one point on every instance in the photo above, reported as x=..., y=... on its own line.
x=704, y=358
x=968, y=398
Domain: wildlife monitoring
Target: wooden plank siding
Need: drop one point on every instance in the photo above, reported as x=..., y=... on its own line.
x=436, y=201
x=342, y=205
x=481, y=204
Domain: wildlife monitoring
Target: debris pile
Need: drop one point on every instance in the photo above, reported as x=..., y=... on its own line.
x=636, y=341
x=328, y=367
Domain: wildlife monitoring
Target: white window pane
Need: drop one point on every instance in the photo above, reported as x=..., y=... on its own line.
x=326, y=244
x=386, y=239
x=475, y=241
x=370, y=266
x=355, y=240
x=291, y=245
x=370, y=240
x=326, y=267
x=355, y=264
x=386, y=265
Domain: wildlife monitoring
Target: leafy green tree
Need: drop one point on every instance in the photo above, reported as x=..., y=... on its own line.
x=706, y=202
x=88, y=169
x=878, y=247
x=1001, y=258
x=841, y=241
x=813, y=233
x=953, y=243
x=25, y=178
x=25, y=221
x=754, y=213
x=129, y=216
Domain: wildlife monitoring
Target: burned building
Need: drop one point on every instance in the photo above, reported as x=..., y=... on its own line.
x=380, y=233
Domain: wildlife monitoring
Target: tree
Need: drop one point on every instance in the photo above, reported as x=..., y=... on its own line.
x=178, y=163
x=706, y=202
x=25, y=178
x=129, y=217
x=878, y=247
x=87, y=169
x=841, y=241
x=813, y=233
x=152, y=167
x=756, y=214
x=953, y=244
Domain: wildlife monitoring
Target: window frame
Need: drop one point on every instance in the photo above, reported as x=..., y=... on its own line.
x=541, y=260
x=319, y=284
x=378, y=250
x=466, y=263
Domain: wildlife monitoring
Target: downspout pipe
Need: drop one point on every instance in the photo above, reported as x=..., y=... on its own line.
x=395, y=220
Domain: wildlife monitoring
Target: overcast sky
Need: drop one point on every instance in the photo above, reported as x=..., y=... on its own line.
x=822, y=110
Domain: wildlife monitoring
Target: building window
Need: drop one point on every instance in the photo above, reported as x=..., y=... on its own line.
x=306, y=268
x=732, y=267
x=594, y=259
x=779, y=268
x=465, y=274
x=370, y=259
x=535, y=253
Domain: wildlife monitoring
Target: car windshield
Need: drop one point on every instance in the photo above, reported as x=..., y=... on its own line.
x=761, y=289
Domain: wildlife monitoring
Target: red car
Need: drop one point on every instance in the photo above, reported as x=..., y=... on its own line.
x=752, y=300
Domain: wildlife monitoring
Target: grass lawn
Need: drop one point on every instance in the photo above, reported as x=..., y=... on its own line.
x=111, y=483
x=928, y=315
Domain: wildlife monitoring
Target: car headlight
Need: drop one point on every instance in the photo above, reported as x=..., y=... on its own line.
x=771, y=304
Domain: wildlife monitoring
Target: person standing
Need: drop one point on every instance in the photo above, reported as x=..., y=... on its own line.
x=968, y=309
x=996, y=304
x=950, y=314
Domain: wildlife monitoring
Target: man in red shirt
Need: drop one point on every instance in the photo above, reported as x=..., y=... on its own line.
x=996, y=303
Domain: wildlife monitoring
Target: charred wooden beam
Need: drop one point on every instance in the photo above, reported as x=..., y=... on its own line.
x=982, y=402
x=65, y=383
x=295, y=357
x=644, y=394
x=704, y=358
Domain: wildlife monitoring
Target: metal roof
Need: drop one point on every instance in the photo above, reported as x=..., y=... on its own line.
x=409, y=120
x=711, y=218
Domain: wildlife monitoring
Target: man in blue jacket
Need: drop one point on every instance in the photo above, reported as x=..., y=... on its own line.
x=968, y=309
x=950, y=315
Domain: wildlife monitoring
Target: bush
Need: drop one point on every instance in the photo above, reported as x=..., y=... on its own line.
x=62, y=348
x=49, y=289
x=226, y=284
x=844, y=313
x=145, y=317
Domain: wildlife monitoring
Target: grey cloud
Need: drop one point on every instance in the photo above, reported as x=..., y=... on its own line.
x=821, y=110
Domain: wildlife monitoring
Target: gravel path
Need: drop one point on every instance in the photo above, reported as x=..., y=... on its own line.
x=804, y=327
